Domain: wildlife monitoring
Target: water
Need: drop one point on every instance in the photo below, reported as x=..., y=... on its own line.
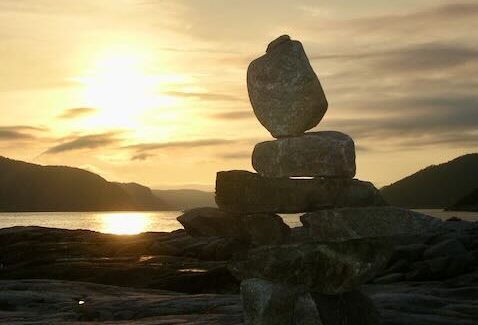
x=136, y=222
x=122, y=223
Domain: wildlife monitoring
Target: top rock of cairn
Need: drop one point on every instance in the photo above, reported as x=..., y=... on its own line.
x=284, y=90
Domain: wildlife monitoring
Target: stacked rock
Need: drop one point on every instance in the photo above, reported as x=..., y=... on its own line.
x=288, y=100
x=307, y=275
x=299, y=282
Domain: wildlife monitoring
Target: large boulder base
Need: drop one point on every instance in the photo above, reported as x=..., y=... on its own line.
x=349, y=308
x=268, y=303
x=324, y=267
x=264, y=229
x=284, y=90
x=246, y=192
x=326, y=153
x=350, y=223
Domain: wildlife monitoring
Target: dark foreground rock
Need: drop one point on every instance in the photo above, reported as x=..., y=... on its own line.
x=329, y=268
x=267, y=303
x=168, y=261
x=468, y=203
x=211, y=222
x=284, y=90
x=55, y=302
x=252, y=229
x=429, y=302
x=58, y=302
x=326, y=153
x=246, y=192
x=177, y=261
x=349, y=308
x=350, y=223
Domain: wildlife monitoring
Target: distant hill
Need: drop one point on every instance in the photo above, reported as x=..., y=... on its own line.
x=437, y=186
x=467, y=203
x=30, y=187
x=186, y=199
x=143, y=197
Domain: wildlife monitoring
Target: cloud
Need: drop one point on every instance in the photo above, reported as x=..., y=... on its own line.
x=145, y=147
x=142, y=156
x=77, y=112
x=233, y=115
x=202, y=96
x=426, y=56
x=237, y=155
x=437, y=14
x=92, y=141
x=19, y=132
x=144, y=151
x=451, y=121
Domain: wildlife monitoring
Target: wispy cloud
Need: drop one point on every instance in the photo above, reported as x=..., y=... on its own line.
x=144, y=147
x=142, y=156
x=91, y=141
x=143, y=151
x=425, y=56
x=233, y=115
x=77, y=112
x=240, y=155
x=19, y=132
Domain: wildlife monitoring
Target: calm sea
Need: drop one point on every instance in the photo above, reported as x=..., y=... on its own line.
x=137, y=222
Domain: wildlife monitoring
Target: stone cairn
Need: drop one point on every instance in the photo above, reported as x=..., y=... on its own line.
x=307, y=275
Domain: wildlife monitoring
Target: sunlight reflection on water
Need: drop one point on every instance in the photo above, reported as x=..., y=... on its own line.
x=124, y=223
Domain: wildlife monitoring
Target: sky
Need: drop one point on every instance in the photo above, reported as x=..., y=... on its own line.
x=154, y=91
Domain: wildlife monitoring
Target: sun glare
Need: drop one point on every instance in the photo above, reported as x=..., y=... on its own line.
x=122, y=88
x=124, y=223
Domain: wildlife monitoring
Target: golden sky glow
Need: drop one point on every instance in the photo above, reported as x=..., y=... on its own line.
x=155, y=92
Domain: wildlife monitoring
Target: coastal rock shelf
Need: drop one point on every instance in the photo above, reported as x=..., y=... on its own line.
x=431, y=278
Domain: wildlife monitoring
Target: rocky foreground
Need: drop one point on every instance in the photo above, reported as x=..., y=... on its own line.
x=57, y=302
x=430, y=279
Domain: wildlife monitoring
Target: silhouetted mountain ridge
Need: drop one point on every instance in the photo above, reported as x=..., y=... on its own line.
x=437, y=186
x=30, y=187
x=142, y=196
x=468, y=203
x=184, y=199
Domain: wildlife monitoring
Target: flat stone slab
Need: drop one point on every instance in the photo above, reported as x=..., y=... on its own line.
x=323, y=267
x=247, y=192
x=284, y=90
x=326, y=153
x=350, y=223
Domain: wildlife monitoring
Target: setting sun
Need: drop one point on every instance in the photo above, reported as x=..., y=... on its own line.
x=119, y=86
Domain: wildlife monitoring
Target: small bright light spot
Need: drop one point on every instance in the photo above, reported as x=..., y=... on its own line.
x=145, y=258
x=81, y=302
x=193, y=270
